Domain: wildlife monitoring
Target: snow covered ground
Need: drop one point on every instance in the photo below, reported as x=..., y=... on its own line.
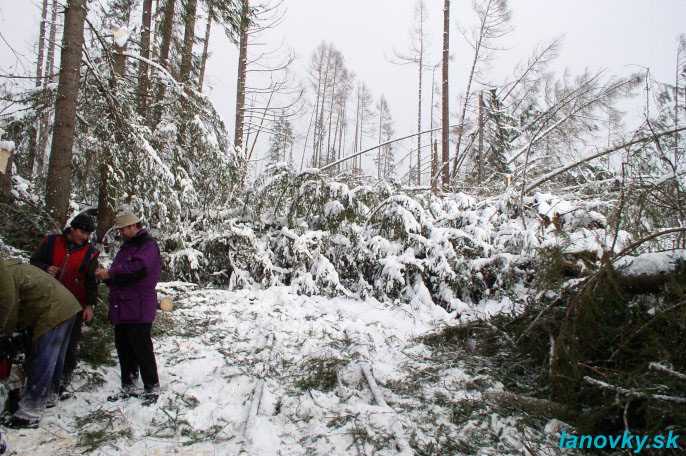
x=271, y=372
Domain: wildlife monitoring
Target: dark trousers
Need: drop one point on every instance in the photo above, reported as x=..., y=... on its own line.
x=45, y=373
x=135, y=351
x=71, y=359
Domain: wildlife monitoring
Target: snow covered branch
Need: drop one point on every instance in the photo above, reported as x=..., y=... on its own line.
x=603, y=152
x=660, y=368
x=633, y=393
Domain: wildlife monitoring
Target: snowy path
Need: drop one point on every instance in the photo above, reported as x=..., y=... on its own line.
x=264, y=372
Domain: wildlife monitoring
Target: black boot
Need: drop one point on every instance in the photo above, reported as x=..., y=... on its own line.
x=150, y=395
x=122, y=395
x=65, y=394
x=126, y=392
x=16, y=422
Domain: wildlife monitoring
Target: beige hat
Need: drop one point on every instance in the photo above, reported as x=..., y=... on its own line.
x=125, y=218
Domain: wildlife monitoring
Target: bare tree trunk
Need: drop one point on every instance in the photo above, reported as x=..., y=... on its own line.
x=379, y=166
x=333, y=151
x=49, y=70
x=361, y=135
x=33, y=143
x=341, y=138
x=166, y=33
x=206, y=44
x=41, y=43
x=494, y=18
x=319, y=126
x=444, y=133
x=165, y=45
x=419, y=123
x=480, y=159
x=434, y=166
x=52, y=43
x=357, y=122
x=316, y=122
x=259, y=129
x=307, y=136
x=331, y=111
x=680, y=75
x=251, y=110
x=419, y=99
x=460, y=126
x=188, y=40
x=143, y=78
x=431, y=122
x=242, y=64
x=58, y=187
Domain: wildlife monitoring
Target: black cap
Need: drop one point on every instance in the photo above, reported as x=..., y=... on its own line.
x=83, y=222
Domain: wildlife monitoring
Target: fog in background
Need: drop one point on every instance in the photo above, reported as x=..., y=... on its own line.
x=619, y=36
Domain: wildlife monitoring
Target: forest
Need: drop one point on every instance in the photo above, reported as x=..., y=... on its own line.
x=512, y=267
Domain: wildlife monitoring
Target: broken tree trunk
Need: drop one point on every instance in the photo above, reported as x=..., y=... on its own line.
x=650, y=272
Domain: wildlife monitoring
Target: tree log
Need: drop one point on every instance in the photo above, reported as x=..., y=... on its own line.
x=650, y=272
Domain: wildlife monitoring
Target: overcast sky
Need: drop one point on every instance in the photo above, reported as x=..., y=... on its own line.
x=620, y=36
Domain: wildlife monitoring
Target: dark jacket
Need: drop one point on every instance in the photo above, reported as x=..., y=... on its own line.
x=77, y=265
x=133, y=278
x=33, y=299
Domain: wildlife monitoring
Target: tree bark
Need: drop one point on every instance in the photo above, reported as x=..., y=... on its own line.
x=143, y=77
x=419, y=99
x=434, y=166
x=331, y=110
x=41, y=43
x=480, y=158
x=319, y=125
x=165, y=45
x=188, y=40
x=49, y=70
x=58, y=188
x=206, y=45
x=242, y=64
x=357, y=121
x=532, y=405
x=379, y=158
x=445, y=143
x=50, y=67
x=639, y=275
x=33, y=142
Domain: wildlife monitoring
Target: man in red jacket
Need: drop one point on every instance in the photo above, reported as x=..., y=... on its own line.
x=71, y=258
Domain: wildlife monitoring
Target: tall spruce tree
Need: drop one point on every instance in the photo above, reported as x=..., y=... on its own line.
x=58, y=187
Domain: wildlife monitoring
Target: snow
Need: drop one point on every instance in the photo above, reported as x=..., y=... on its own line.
x=220, y=347
x=120, y=35
x=22, y=188
x=333, y=208
x=7, y=146
x=650, y=264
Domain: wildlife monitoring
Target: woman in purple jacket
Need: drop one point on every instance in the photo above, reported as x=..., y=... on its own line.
x=132, y=279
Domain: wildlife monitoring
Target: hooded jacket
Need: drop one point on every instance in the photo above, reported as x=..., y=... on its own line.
x=133, y=278
x=32, y=298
